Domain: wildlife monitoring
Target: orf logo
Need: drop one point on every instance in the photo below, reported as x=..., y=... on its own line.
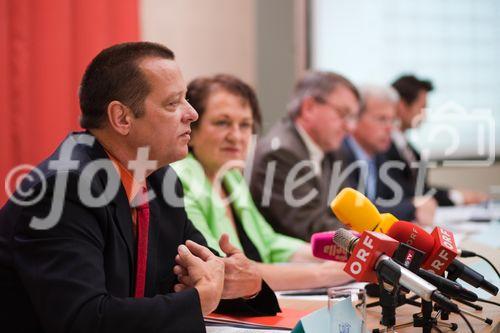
x=369, y=247
x=443, y=253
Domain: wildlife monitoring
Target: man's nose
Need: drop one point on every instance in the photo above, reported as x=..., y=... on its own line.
x=190, y=114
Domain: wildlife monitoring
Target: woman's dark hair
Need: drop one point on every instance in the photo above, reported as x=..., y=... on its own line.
x=200, y=89
x=114, y=75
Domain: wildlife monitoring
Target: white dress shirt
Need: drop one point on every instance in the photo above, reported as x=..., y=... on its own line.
x=316, y=154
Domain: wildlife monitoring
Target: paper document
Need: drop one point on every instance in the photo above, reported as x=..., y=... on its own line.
x=286, y=319
x=230, y=329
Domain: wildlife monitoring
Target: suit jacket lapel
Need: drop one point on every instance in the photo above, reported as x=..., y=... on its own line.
x=119, y=204
x=326, y=181
x=300, y=147
x=301, y=150
x=348, y=159
x=123, y=219
x=379, y=162
x=154, y=232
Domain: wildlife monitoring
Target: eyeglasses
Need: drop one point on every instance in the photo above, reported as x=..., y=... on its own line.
x=384, y=121
x=344, y=113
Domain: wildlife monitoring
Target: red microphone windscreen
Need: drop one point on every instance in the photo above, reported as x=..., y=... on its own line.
x=413, y=235
x=323, y=247
x=362, y=264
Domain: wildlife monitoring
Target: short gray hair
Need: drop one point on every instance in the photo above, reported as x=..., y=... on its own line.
x=317, y=84
x=381, y=93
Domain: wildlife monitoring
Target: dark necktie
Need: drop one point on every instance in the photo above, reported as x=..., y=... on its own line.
x=410, y=159
x=325, y=179
x=142, y=242
x=371, y=181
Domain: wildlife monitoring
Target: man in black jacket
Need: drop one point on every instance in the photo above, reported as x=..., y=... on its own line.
x=410, y=111
x=93, y=240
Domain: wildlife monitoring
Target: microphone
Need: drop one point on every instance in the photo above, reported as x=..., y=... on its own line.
x=407, y=256
x=368, y=258
x=323, y=247
x=438, y=247
x=448, y=287
x=411, y=258
x=356, y=211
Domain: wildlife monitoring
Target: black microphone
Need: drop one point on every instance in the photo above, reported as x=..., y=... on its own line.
x=448, y=287
x=367, y=255
x=412, y=258
x=407, y=232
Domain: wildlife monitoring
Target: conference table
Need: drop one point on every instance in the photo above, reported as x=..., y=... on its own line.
x=404, y=313
x=478, y=237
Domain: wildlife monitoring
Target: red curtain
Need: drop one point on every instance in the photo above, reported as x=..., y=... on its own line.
x=45, y=46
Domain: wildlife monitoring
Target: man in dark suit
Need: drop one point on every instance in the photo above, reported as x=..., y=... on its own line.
x=413, y=177
x=96, y=244
x=292, y=170
x=365, y=166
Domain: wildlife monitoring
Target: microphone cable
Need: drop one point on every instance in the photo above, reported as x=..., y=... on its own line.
x=490, y=263
x=460, y=314
x=488, y=301
x=466, y=321
x=469, y=254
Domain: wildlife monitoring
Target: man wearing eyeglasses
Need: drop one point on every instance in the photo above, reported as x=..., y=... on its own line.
x=364, y=162
x=292, y=170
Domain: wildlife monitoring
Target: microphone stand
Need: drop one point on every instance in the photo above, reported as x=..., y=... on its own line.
x=427, y=322
x=391, y=298
x=423, y=319
x=402, y=300
x=446, y=314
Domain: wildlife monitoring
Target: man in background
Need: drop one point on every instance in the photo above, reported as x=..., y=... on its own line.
x=292, y=170
x=365, y=164
x=410, y=112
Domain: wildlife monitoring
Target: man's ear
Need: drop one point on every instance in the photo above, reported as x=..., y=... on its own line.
x=119, y=116
x=402, y=107
x=307, y=108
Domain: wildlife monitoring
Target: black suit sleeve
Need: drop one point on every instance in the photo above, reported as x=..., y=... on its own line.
x=442, y=196
x=264, y=304
x=62, y=269
x=442, y=193
x=404, y=210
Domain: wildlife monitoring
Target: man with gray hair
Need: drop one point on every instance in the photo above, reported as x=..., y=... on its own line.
x=293, y=163
x=364, y=165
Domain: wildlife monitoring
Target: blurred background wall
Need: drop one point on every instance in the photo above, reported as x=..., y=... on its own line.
x=45, y=45
x=262, y=42
x=271, y=43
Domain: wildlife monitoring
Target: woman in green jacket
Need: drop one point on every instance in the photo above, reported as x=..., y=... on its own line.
x=217, y=198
